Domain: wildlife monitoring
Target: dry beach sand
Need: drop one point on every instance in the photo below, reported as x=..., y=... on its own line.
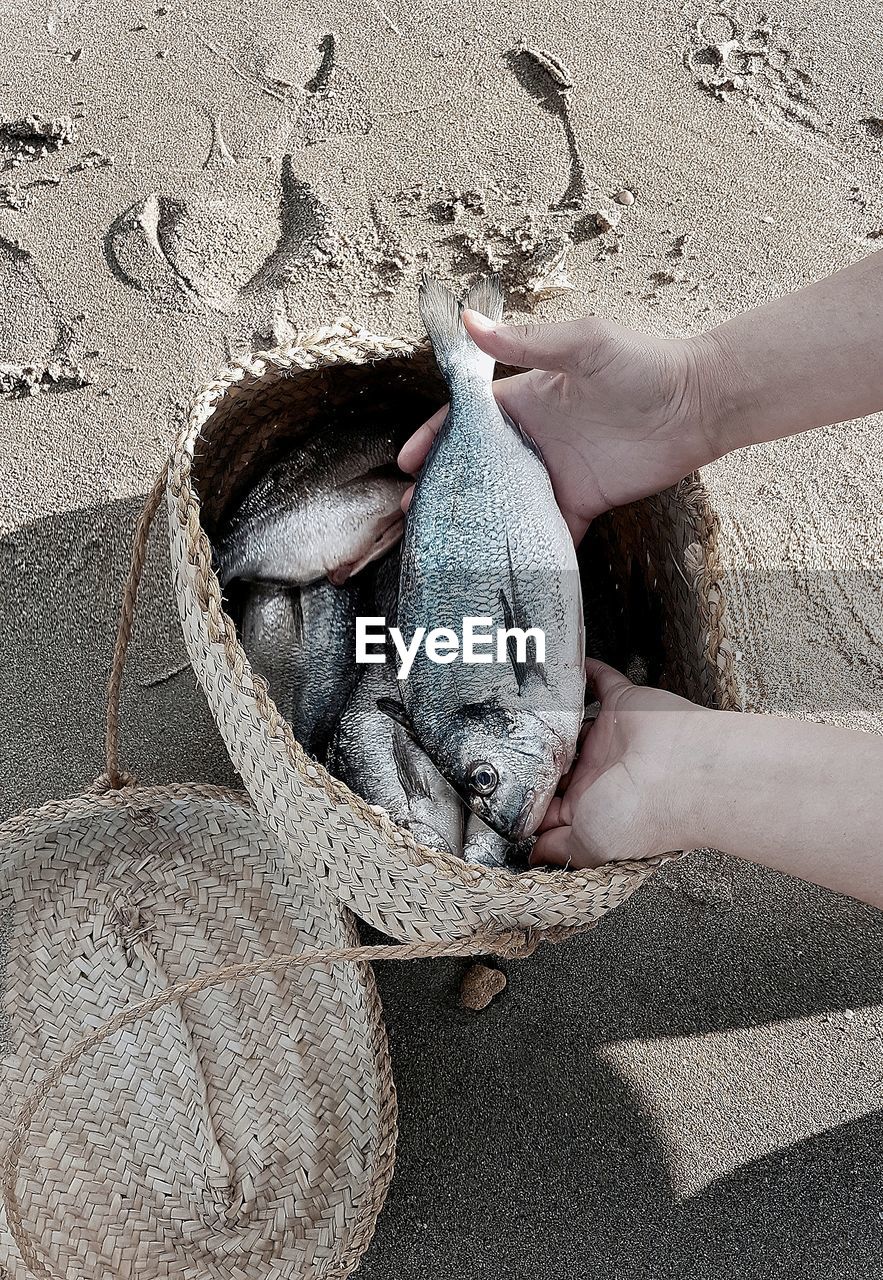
x=693, y=1089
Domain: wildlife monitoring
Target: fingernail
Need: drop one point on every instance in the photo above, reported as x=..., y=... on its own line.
x=478, y=321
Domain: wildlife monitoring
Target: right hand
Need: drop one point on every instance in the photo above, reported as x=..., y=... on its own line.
x=630, y=792
x=617, y=414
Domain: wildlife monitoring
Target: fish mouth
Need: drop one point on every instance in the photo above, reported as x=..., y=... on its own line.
x=387, y=534
x=429, y=837
x=524, y=825
x=525, y=822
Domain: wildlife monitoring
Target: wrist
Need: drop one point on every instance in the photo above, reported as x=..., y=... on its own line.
x=699, y=766
x=724, y=403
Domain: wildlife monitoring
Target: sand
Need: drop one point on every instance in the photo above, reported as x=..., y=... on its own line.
x=182, y=183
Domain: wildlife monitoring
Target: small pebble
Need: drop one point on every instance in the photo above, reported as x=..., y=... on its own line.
x=479, y=986
x=625, y=197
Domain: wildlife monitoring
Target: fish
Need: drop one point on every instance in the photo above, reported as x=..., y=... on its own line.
x=386, y=588
x=328, y=509
x=484, y=537
x=302, y=641
x=380, y=761
x=487, y=848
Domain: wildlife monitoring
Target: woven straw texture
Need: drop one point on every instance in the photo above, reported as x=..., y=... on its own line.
x=242, y=1130
x=237, y=425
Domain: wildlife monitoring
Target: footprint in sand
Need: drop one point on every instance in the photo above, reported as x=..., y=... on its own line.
x=213, y=250
x=200, y=249
x=328, y=100
x=736, y=56
x=531, y=254
x=36, y=346
x=548, y=81
x=303, y=222
x=335, y=103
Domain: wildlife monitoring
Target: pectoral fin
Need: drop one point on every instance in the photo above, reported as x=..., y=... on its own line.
x=297, y=615
x=414, y=779
x=514, y=615
x=395, y=710
x=511, y=647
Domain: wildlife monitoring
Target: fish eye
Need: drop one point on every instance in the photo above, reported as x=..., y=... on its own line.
x=483, y=779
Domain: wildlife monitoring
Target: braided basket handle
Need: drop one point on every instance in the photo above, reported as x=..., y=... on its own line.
x=113, y=777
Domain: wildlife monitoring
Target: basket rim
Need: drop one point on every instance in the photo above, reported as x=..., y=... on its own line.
x=344, y=342
x=380, y=1162
x=83, y=802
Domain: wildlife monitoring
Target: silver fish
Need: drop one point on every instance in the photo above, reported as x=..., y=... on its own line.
x=386, y=588
x=485, y=538
x=328, y=509
x=379, y=760
x=487, y=848
x=303, y=643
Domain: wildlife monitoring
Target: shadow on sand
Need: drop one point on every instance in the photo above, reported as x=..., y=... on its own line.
x=523, y=1154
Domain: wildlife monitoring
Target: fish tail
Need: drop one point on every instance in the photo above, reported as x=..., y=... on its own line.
x=485, y=297
x=442, y=314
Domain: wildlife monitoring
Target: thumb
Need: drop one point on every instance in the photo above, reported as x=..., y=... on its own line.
x=556, y=348
x=605, y=680
x=553, y=848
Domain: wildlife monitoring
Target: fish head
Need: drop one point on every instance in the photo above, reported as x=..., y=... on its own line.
x=432, y=835
x=506, y=765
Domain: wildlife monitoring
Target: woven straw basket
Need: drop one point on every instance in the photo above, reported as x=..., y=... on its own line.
x=663, y=549
x=240, y=1125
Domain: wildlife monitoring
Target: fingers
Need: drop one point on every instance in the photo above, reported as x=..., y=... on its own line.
x=558, y=848
x=552, y=817
x=605, y=680
x=552, y=347
x=415, y=449
x=407, y=498
x=553, y=848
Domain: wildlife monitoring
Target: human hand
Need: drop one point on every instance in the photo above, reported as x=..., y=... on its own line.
x=629, y=793
x=617, y=414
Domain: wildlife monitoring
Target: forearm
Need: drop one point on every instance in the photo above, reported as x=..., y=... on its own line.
x=805, y=360
x=804, y=798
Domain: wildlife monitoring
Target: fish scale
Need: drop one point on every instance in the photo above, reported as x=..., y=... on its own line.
x=303, y=643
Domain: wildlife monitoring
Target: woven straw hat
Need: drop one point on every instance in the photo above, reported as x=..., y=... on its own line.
x=235, y=1129
x=237, y=425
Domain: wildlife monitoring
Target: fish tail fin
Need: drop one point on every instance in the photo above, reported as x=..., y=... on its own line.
x=442, y=315
x=485, y=297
